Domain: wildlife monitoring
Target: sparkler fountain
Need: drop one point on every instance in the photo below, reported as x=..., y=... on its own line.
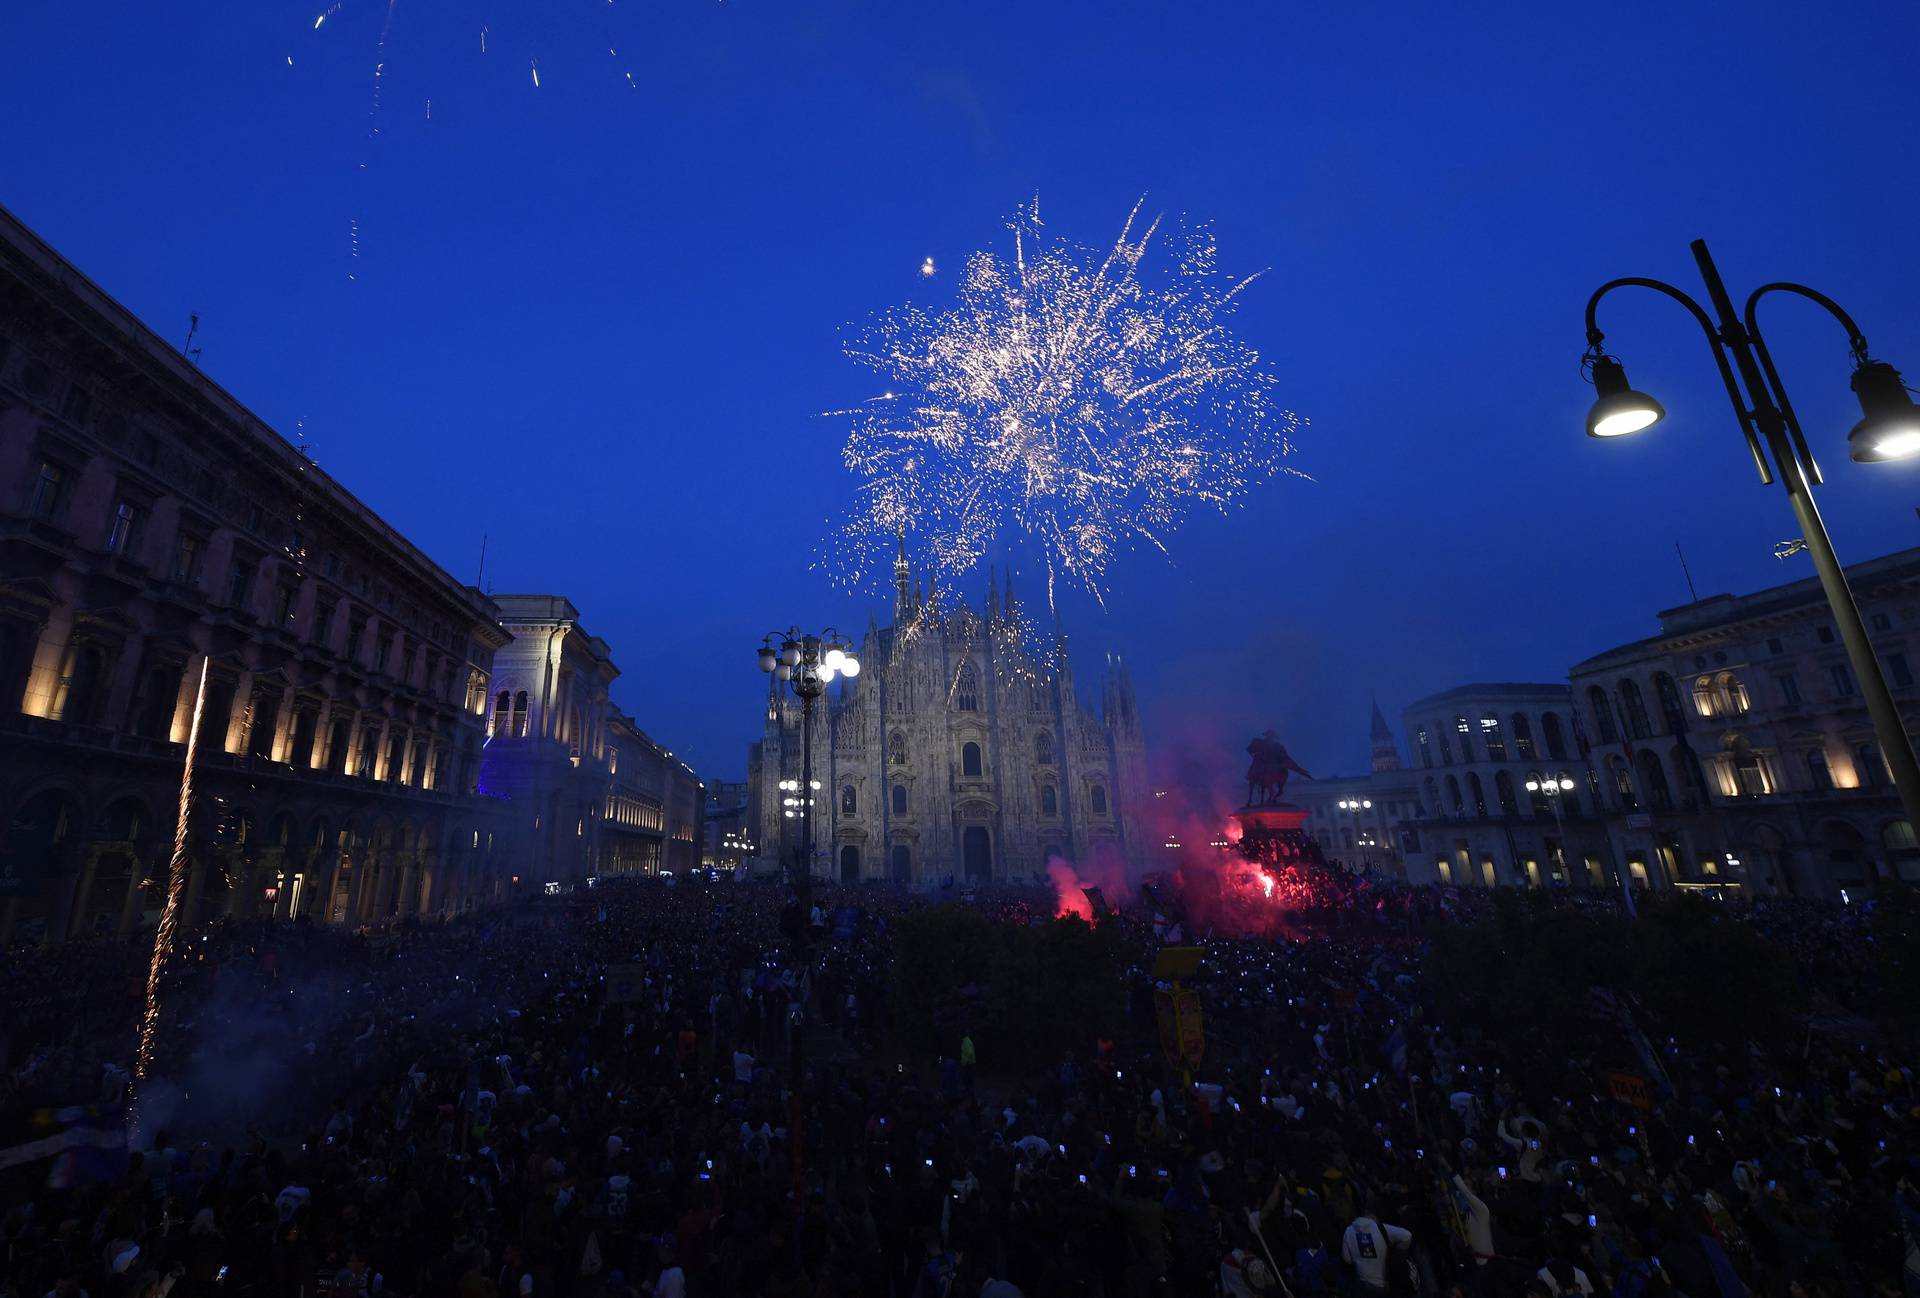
x=176, y=876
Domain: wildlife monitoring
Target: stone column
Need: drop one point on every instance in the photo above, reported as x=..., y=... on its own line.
x=130, y=904
x=62, y=886
x=197, y=867
x=83, y=894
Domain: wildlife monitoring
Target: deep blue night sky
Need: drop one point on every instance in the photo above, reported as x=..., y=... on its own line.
x=596, y=320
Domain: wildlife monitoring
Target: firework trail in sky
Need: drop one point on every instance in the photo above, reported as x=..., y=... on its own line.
x=1067, y=404
x=176, y=874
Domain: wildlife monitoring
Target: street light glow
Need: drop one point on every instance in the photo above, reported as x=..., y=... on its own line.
x=1890, y=429
x=1619, y=410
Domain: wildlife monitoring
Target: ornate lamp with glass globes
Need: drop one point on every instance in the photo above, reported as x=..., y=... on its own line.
x=1362, y=839
x=806, y=664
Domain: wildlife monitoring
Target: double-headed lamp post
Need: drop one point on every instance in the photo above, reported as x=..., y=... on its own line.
x=1353, y=807
x=1553, y=790
x=805, y=663
x=1889, y=429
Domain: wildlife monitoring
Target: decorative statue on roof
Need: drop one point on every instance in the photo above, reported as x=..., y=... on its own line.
x=1267, y=776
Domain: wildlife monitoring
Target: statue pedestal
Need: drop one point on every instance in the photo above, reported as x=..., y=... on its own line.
x=1272, y=833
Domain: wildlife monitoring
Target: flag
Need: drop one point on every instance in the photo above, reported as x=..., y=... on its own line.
x=87, y=1143
x=1396, y=1049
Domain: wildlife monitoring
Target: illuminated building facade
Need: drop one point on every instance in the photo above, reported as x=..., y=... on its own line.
x=589, y=792
x=151, y=526
x=958, y=753
x=1730, y=748
x=1734, y=743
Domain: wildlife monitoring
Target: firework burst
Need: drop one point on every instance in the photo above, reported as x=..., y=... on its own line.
x=1067, y=404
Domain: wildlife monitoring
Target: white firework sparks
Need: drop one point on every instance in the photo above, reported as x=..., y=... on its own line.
x=1064, y=404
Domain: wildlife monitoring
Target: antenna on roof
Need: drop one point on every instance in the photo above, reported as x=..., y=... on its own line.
x=480, y=577
x=1693, y=596
x=191, y=352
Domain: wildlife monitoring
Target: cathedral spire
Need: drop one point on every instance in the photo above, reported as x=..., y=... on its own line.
x=1010, y=604
x=993, y=592
x=902, y=608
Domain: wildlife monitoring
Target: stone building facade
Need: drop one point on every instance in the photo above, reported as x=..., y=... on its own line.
x=151, y=528
x=153, y=532
x=960, y=752
x=589, y=793
x=1734, y=744
x=1476, y=748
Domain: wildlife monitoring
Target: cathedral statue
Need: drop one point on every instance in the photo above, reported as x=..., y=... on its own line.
x=1267, y=776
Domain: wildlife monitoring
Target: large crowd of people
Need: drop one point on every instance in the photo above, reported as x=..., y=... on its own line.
x=694, y=1090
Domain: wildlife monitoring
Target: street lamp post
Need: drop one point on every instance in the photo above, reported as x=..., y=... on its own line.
x=805, y=663
x=1353, y=807
x=1889, y=429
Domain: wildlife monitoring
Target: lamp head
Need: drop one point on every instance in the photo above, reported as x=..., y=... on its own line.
x=1890, y=429
x=790, y=653
x=767, y=657
x=1619, y=410
x=850, y=668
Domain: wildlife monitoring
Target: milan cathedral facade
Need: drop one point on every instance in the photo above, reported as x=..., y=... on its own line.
x=959, y=753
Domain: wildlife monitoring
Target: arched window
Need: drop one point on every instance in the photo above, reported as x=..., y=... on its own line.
x=970, y=758
x=1733, y=693
x=1425, y=743
x=1817, y=769
x=1751, y=779
x=1490, y=736
x=1550, y=734
x=1446, y=748
x=520, y=715
x=502, y=707
x=1633, y=709
x=1478, y=792
x=902, y=863
x=1098, y=799
x=1453, y=797
x=849, y=801
x=899, y=799
x=1602, y=715
x=1654, y=778
x=1523, y=738
x=1465, y=733
x=1703, y=701
x=1622, y=782
x=1503, y=790
x=1433, y=794
x=1669, y=696
x=966, y=689
x=1870, y=768
x=1049, y=801
x=897, y=748
x=1043, y=748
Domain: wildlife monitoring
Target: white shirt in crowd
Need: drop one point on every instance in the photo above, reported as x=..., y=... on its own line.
x=1581, y=1285
x=1364, y=1248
